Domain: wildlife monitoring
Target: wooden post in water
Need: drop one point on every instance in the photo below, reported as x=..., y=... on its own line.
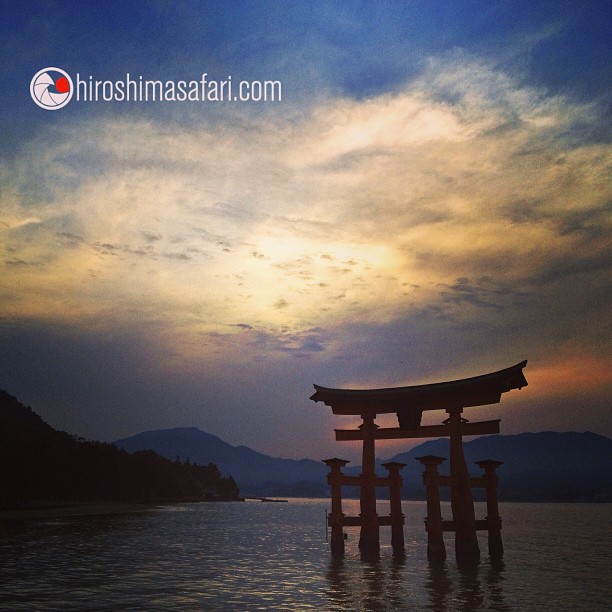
x=496, y=547
x=334, y=478
x=369, y=538
x=395, y=502
x=436, y=550
x=462, y=502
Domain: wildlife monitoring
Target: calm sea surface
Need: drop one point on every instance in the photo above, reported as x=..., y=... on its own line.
x=262, y=556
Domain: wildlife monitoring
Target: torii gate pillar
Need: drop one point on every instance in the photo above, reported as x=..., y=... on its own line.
x=436, y=551
x=496, y=547
x=369, y=540
x=395, y=502
x=334, y=478
x=462, y=501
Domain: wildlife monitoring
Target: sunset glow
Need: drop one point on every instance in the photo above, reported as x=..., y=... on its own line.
x=450, y=221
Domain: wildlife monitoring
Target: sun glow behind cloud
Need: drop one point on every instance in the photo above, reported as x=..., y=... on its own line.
x=462, y=196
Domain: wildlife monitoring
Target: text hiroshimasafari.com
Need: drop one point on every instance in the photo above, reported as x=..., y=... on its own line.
x=138, y=89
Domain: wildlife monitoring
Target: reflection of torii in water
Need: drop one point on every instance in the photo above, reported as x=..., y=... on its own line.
x=409, y=403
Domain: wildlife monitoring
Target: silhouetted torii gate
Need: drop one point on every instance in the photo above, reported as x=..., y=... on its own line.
x=409, y=403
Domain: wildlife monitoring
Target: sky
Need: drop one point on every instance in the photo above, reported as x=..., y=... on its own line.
x=428, y=200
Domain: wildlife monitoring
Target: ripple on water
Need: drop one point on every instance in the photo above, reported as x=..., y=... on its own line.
x=274, y=557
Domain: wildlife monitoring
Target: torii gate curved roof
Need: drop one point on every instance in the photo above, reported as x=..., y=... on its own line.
x=475, y=391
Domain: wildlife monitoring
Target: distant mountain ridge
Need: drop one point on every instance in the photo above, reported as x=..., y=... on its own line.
x=250, y=469
x=39, y=462
x=545, y=466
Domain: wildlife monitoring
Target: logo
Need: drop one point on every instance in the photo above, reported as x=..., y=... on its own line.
x=51, y=88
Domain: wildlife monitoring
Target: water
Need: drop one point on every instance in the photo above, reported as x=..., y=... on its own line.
x=258, y=556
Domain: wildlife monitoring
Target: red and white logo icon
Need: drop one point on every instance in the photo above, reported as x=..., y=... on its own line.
x=51, y=88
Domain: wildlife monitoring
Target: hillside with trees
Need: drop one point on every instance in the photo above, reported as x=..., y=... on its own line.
x=41, y=464
x=545, y=466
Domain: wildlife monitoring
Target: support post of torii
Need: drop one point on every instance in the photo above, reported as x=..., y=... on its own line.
x=369, y=539
x=462, y=502
x=496, y=547
x=334, y=478
x=395, y=503
x=436, y=551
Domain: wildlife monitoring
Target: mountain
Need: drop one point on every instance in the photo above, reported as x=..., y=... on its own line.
x=546, y=466
x=254, y=472
x=41, y=464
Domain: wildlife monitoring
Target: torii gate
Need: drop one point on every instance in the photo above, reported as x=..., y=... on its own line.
x=409, y=403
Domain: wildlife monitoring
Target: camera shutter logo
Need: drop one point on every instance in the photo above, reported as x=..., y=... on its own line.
x=51, y=88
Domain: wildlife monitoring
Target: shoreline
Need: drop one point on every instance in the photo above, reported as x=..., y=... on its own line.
x=44, y=510
x=76, y=509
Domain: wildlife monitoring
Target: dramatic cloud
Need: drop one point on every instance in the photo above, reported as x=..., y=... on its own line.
x=457, y=223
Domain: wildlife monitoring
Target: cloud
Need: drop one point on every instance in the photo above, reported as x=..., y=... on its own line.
x=444, y=226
